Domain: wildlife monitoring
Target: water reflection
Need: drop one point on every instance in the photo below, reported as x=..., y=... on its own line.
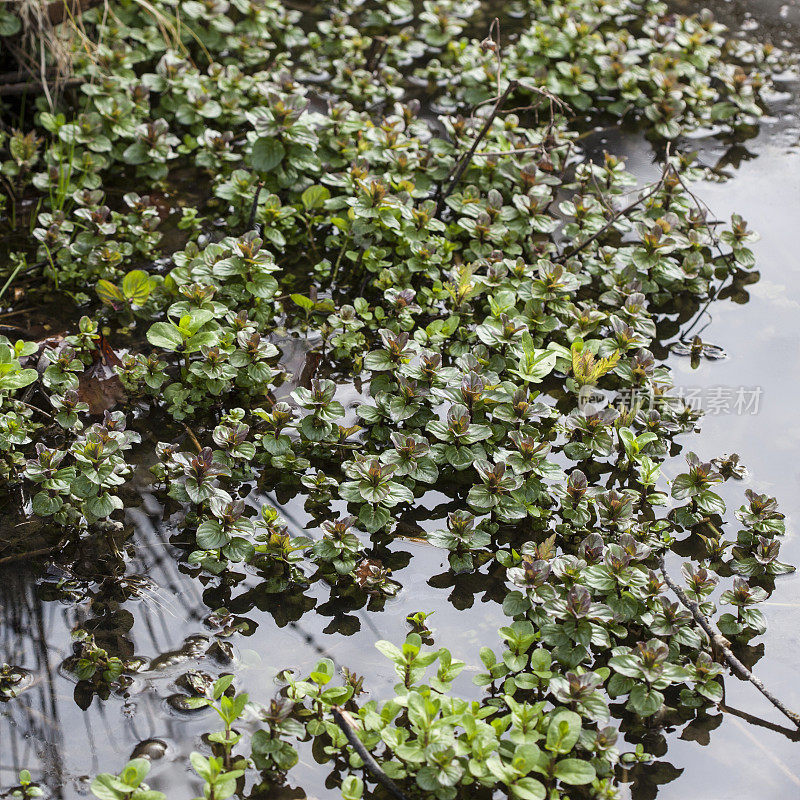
x=62, y=733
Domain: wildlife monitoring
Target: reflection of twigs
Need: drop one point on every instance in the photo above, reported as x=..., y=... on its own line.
x=685, y=335
x=348, y=726
x=768, y=753
x=42, y=551
x=789, y=733
x=721, y=645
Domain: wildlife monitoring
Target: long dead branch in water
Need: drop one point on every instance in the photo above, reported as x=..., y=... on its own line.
x=722, y=646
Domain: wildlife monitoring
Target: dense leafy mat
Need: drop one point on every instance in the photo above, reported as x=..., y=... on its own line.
x=414, y=203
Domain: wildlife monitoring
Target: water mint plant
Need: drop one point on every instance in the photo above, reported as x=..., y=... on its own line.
x=350, y=281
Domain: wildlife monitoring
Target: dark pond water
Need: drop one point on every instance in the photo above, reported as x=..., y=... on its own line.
x=741, y=753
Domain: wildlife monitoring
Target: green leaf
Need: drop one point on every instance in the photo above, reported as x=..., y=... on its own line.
x=18, y=380
x=337, y=695
x=109, y=294
x=44, y=505
x=221, y=685
x=165, y=335
x=563, y=732
x=101, y=506
x=201, y=765
x=323, y=672
x=710, y=503
x=306, y=303
x=148, y=794
x=239, y=549
x=373, y=518
x=683, y=486
x=196, y=702
x=528, y=789
x=135, y=771
x=102, y=789
x=136, y=286
x=574, y=771
x=210, y=535
x=392, y=652
x=352, y=788
x=195, y=319
x=202, y=339
x=267, y=154
x=315, y=197
x=136, y=153
x=645, y=702
x=711, y=690
x=10, y=24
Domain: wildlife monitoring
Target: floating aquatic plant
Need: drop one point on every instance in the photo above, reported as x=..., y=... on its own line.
x=412, y=204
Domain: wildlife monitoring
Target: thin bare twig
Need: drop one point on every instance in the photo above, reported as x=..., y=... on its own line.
x=467, y=157
x=251, y=225
x=33, y=87
x=32, y=407
x=789, y=733
x=193, y=438
x=16, y=312
x=704, y=209
x=722, y=645
x=600, y=193
x=516, y=151
x=493, y=42
x=595, y=236
x=348, y=726
x=381, y=46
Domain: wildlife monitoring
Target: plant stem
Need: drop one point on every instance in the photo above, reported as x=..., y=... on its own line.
x=193, y=438
x=23, y=262
x=52, y=266
x=339, y=259
x=254, y=208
